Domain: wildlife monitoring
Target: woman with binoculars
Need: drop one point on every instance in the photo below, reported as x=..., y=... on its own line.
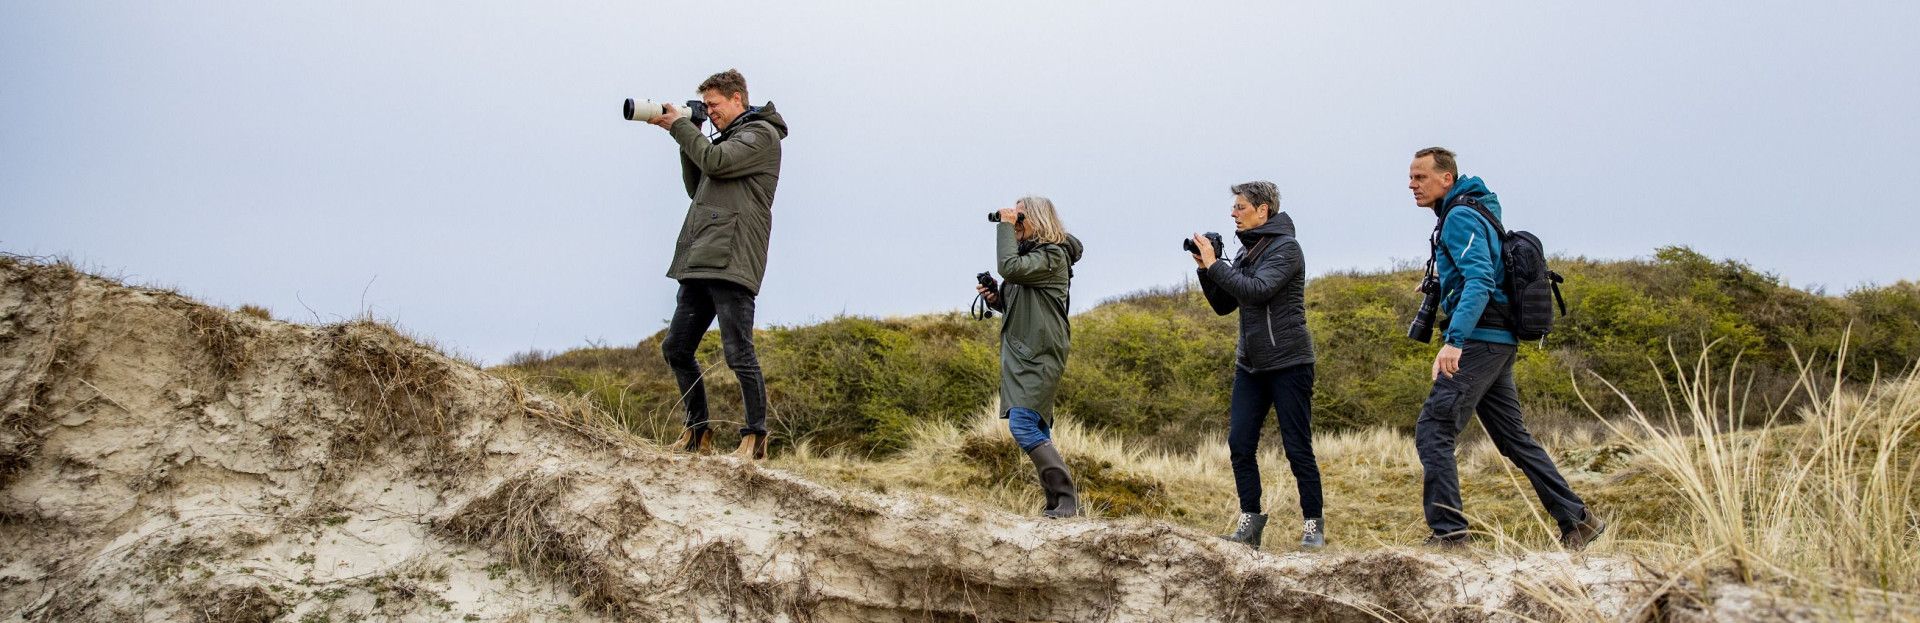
x=1273, y=361
x=1035, y=257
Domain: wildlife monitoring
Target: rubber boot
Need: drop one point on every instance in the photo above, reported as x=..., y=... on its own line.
x=753, y=447
x=1247, y=530
x=1314, y=534
x=696, y=440
x=1061, y=499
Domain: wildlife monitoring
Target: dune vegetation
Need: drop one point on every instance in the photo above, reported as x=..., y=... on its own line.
x=1732, y=427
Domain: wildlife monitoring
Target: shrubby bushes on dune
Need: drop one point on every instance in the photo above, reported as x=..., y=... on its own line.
x=1156, y=365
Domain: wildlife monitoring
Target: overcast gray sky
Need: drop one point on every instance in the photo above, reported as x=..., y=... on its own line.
x=461, y=168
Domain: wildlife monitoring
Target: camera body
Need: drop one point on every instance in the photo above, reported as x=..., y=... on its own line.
x=986, y=281
x=646, y=111
x=994, y=217
x=1219, y=245
x=1421, y=330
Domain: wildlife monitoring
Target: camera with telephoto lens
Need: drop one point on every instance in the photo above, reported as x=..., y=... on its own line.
x=994, y=217
x=647, y=110
x=1219, y=247
x=1422, y=328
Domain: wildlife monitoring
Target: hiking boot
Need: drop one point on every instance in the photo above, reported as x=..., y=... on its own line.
x=1451, y=540
x=1247, y=530
x=753, y=447
x=1583, y=532
x=1314, y=534
x=696, y=440
x=1061, y=499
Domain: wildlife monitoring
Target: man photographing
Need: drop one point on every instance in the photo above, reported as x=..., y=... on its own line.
x=1474, y=370
x=721, y=253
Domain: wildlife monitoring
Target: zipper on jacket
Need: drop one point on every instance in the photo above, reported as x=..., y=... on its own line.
x=1271, y=341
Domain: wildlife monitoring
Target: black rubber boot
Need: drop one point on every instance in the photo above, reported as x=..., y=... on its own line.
x=1247, y=530
x=1061, y=499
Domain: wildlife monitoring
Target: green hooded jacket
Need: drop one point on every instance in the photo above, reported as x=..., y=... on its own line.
x=1034, y=332
x=731, y=180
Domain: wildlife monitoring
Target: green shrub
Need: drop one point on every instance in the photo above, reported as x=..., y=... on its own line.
x=1158, y=364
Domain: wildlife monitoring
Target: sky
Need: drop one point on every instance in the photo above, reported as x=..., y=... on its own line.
x=462, y=169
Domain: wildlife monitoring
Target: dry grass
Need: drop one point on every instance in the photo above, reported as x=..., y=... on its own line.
x=1370, y=479
x=1827, y=510
x=1824, y=511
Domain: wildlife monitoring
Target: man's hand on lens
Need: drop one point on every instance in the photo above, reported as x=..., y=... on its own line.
x=1010, y=216
x=665, y=120
x=992, y=299
x=1208, y=255
x=1447, y=362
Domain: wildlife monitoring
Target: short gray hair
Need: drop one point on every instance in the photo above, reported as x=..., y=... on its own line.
x=1260, y=192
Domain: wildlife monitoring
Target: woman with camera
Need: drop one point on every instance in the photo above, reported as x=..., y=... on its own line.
x=1273, y=361
x=1035, y=257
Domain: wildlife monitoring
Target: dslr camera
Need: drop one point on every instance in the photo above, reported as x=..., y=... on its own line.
x=646, y=111
x=1219, y=247
x=1422, y=328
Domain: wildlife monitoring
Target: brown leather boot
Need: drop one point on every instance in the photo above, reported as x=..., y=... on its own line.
x=696, y=440
x=752, y=447
x=1583, y=532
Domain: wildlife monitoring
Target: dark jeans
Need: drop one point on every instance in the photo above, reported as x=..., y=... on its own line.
x=1288, y=391
x=1484, y=385
x=700, y=301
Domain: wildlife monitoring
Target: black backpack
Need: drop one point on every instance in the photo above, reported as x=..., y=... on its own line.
x=1533, y=290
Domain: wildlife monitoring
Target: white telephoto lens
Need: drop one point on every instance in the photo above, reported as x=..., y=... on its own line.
x=643, y=111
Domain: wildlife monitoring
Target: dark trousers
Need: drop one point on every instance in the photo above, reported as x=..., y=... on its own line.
x=700, y=301
x=1288, y=391
x=1483, y=385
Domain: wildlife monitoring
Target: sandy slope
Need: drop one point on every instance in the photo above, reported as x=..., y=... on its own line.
x=162, y=460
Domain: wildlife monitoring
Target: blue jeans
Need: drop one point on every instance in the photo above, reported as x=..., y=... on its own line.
x=1028, y=429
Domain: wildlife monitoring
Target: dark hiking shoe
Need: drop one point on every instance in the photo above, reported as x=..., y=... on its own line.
x=1314, y=534
x=1451, y=540
x=753, y=447
x=1247, y=530
x=1583, y=532
x=697, y=440
x=1062, y=501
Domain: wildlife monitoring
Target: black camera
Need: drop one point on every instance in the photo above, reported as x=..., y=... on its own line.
x=994, y=217
x=982, y=310
x=697, y=112
x=1422, y=328
x=1219, y=247
x=986, y=281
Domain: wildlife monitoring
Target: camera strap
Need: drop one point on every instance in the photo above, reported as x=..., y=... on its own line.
x=1252, y=255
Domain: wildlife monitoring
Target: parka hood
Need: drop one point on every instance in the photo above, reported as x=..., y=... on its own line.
x=764, y=112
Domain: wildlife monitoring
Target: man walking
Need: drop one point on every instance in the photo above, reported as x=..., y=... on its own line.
x=722, y=250
x=1474, y=370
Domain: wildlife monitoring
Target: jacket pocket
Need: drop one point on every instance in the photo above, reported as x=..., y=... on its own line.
x=712, y=244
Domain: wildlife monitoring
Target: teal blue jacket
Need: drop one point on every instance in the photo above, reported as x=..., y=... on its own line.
x=1469, y=266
